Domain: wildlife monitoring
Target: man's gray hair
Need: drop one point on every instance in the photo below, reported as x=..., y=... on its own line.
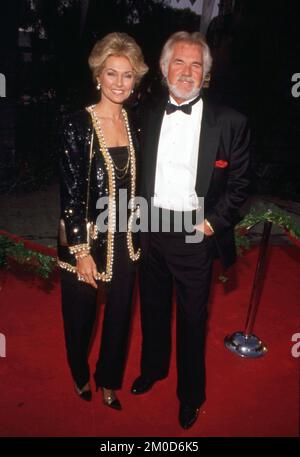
x=193, y=38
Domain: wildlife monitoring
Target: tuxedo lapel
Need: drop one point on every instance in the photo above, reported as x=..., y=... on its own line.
x=208, y=147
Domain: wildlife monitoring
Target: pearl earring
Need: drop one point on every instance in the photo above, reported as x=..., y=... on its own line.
x=98, y=87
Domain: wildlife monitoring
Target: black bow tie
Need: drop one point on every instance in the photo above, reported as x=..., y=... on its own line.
x=170, y=108
x=186, y=108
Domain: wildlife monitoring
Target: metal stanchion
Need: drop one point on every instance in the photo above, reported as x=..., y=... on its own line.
x=245, y=344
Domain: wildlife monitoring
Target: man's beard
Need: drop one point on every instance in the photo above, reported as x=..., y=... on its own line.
x=182, y=94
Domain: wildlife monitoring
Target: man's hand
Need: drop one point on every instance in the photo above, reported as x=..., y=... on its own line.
x=205, y=228
x=86, y=268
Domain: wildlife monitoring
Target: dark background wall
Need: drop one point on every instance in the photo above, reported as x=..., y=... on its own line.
x=255, y=47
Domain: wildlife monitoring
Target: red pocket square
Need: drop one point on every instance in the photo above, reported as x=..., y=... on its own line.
x=221, y=163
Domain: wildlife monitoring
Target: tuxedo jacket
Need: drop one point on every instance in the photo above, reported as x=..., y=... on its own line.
x=222, y=170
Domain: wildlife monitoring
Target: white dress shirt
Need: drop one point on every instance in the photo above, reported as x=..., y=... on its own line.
x=177, y=160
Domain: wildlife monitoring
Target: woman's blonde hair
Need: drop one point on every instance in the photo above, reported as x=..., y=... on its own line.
x=117, y=44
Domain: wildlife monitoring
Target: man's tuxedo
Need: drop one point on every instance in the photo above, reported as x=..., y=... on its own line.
x=223, y=164
x=222, y=179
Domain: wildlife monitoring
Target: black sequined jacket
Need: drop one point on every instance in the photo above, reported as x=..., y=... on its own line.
x=78, y=204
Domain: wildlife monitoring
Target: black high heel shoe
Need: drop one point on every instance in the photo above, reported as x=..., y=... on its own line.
x=111, y=400
x=85, y=393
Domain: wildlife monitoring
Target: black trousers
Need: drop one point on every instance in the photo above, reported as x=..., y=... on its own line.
x=170, y=259
x=79, y=306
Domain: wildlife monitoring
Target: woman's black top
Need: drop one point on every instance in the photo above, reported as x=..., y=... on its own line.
x=119, y=155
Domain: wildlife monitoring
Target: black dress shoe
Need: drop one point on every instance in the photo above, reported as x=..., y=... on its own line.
x=141, y=385
x=187, y=415
x=111, y=400
x=85, y=393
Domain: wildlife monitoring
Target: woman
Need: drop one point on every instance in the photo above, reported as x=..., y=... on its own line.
x=98, y=160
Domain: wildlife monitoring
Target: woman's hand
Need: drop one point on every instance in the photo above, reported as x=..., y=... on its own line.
x=86, y=268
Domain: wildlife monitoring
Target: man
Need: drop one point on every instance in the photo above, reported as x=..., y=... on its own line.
x=191, y=148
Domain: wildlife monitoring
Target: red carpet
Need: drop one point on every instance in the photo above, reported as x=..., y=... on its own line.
x=244, y=397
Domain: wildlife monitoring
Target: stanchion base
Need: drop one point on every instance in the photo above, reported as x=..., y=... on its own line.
x=245, y=346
